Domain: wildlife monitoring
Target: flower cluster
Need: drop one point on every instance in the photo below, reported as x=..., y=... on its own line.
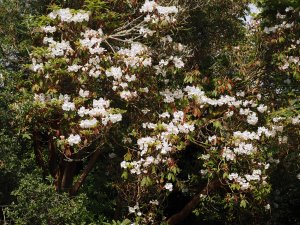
x=68, y=16
x=286, y=32
x=247, y=179
x=157, y=148
x=157, y=12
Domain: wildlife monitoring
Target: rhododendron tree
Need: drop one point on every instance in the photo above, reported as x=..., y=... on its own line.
x=100, y=67
x=128, y=91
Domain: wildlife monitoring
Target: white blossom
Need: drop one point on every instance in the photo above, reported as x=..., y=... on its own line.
x=83, y=93
x=148, y=6
x=169, y=186
x=74, y=139
x=68, y=106
x=252, y=118
x=49, y=29
x=262, y=108
x=89, y=123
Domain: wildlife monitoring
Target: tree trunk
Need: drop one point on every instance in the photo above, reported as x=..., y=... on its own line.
x=85, y=172
x=191, y=205
x=38, y=154
x=68, y=176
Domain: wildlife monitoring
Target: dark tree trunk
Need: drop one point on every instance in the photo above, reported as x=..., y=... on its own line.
x=85, y=172
x=191, y=205
x=38, y=154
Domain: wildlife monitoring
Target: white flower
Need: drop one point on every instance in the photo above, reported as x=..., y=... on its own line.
x=88, y=123
x=130, y=78
x=74, y=68
x=145, y=111
x=252, y=118
x=169, y=186
x=240, y=93
x=95, y=112
x=74, y=139
x=60, y=48
x=65, y=15
x=47, y=40
x=101, y=103
x=131, y=209
x=37, y=67
x=277, y=119
x=147, y=62
x=115, y=117
x=178, y=116
x=146, y=32
x=80, y=17
x=212, y=139
x=53, y=15
x=65, y=97
x=165, y=115
x=233, y=176
x=135, y=209
x=244, y=149
x=147, y=18
x=145, y=90
x=148, y=6
x=149, y=160
x=114, y=72
x=154, y=202
x=82, y=111
x=83, y=93
x=49, y=29
x=228, y=154
x=296, y=120
x=127, y=95
x=205, y=156
x=244, y=185
x=244, y=111
x=229, y=114
x=258, y=97
x=68, y=106
x=178, y=62
x=167, y=10
x=262, y=108
x=38, y=97
x=124, y=164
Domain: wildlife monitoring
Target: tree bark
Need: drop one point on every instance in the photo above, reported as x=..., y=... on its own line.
x=68, y=176
x=191, y=205
x=53, y=158
x=85, y=172
x=38, y=154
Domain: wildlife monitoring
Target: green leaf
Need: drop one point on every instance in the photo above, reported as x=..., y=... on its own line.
x=146, y=181
x=217, y=124
x=26, y=136
x=243, y=203
x=124, y=175
x=127, y=156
